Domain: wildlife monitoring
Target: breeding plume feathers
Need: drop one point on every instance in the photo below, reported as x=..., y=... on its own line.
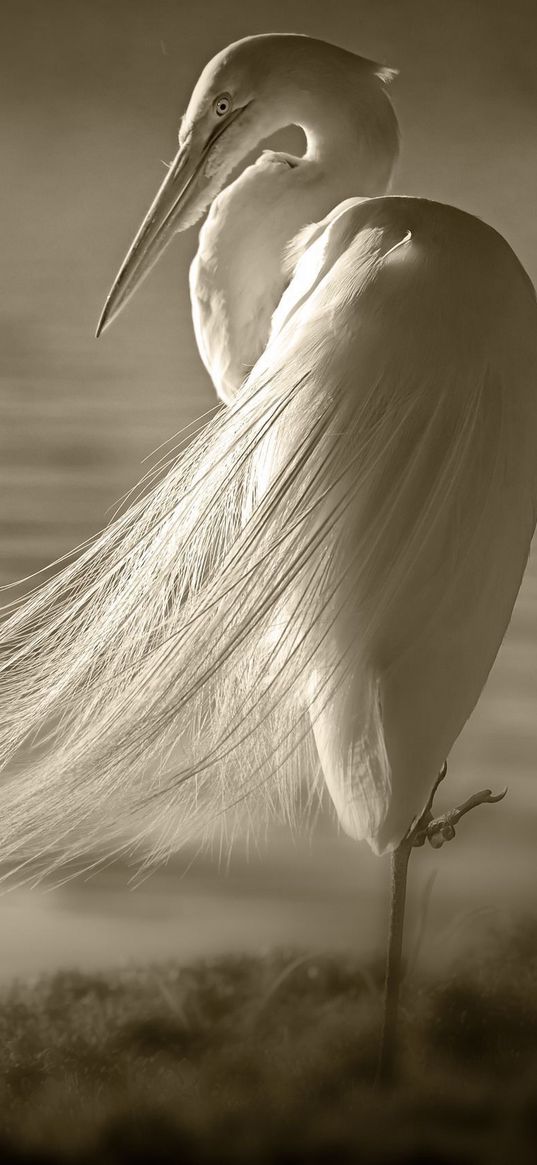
x=180, y=675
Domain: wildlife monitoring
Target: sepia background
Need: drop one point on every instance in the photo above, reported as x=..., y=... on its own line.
x=91, y=95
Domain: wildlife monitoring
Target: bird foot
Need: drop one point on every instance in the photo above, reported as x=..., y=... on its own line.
x=437, y=830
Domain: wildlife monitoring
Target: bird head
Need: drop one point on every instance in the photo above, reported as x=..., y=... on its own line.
x=245, y=93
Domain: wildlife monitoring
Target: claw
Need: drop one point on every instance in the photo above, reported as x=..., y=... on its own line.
x=493, y=797
x=441, y=829
x=437, y=830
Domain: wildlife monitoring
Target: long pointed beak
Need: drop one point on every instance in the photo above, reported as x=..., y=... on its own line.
x=160, y=224
x=164, y=218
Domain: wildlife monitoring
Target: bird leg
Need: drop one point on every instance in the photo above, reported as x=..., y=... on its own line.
x=394, y=966
x=435, y=830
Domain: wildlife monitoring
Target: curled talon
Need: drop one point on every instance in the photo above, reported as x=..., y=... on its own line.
x=483, y=797
x=438, y=830
x=493, y=797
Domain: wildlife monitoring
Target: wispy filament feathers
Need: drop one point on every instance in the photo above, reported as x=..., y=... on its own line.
x=166, y=681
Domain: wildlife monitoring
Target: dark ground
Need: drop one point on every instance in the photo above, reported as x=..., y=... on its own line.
x=248, y=1060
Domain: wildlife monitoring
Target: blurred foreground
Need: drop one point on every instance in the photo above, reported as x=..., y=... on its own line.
x=273, y=1060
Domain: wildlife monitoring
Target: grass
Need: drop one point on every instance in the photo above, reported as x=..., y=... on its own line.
x=250, y=1060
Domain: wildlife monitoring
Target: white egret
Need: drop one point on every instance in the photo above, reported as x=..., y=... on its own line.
x=326, y=573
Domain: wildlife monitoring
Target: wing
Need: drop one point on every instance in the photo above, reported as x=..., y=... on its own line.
x=419, y=321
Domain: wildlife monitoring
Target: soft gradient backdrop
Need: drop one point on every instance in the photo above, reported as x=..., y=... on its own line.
x=91, y=95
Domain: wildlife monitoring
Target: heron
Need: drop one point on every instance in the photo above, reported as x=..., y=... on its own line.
x=322, y=578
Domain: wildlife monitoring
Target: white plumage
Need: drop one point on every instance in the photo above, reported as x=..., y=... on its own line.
x=323, y=578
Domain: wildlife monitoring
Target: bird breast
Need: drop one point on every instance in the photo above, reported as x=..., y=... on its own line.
x=239, y=273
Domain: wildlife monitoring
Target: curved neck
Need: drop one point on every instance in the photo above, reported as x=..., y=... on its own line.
x=360, y=141
x=240, y=271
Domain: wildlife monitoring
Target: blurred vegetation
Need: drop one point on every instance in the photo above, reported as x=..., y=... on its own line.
x=272, y=1060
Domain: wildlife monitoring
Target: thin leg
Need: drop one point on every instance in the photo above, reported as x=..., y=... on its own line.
x=435, y=830
x=394, y=966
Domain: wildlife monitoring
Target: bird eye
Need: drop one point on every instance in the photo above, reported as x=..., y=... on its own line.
x=222, y=105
